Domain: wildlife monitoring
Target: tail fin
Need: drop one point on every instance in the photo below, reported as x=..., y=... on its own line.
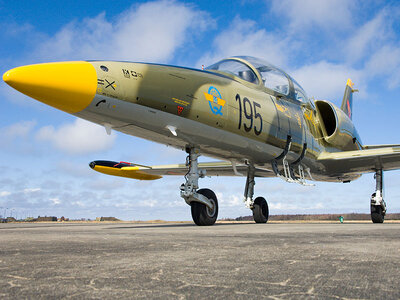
x=347, y=103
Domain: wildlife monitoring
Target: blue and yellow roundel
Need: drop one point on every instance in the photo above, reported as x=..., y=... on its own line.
x=214, y=100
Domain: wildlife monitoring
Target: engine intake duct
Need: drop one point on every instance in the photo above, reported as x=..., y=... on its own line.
x=329, y=118
x=337, y=128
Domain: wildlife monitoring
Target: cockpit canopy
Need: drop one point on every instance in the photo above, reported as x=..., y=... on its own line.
x=236, y=68
x=273, y=78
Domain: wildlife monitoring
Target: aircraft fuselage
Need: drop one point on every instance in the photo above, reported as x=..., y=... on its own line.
x=225, y=118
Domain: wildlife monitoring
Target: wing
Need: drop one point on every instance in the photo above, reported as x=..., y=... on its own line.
x=142, y=172
x=365, y=147
x=362, y=161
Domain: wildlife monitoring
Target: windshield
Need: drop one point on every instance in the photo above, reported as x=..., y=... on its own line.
x=299, y=93
x=235, y=68
x=274, y=80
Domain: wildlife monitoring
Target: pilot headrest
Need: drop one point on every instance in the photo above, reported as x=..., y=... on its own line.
x=247, y=75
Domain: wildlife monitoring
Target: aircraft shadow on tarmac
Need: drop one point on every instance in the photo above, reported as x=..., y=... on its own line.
x=145, y=226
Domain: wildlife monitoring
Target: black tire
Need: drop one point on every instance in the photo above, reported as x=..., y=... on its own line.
x=260, y=210
x=201, y=214
x=377, y=215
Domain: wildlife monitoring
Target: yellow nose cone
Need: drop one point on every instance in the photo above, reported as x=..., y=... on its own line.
x=68, y=86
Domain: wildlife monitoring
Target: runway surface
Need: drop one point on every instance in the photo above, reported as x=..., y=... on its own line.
x=183, y=261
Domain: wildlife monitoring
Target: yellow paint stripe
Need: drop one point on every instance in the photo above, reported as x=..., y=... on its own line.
x=130, y=168
x=211, y=99
x=281, y=108
x=182, y=102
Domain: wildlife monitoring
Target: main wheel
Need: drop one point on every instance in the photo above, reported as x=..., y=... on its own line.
x=260, y=210
x=201, y=214
x=377, y=215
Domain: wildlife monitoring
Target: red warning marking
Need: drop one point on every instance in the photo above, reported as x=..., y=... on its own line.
x=180, y=109
x=121, y=162
x=348, y=108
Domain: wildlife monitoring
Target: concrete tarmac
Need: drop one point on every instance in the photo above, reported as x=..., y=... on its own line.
x=183, y=261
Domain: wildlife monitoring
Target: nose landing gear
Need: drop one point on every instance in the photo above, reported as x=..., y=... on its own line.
x=203, y=202
x=201, y=214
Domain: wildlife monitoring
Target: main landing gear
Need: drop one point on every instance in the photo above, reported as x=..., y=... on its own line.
x=259, y=206
x=378, y=205
x=203, y=202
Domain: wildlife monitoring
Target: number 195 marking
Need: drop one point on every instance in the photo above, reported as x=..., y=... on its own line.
x=250, y=113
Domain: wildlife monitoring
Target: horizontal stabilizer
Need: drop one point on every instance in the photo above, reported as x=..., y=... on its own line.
x=365, y=147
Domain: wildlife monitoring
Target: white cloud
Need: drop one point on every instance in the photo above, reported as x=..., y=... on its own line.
x=104, y=183
x=279, y=206
x=147, y=32
x=78, y=203
x=367, y=53
x=376, y=44
x=326, y=14
x=55, y=201
x=327, y=81
x=4, y=193
x=385, y=62
x=17, y=29
x=244, y=38
x=156, y=29
x=368, y=37
x=230, y=200
x=148, y=203
x=17, y=138
x=31, y=190
x=74, y=169
x=80, y=137
x=20, y=129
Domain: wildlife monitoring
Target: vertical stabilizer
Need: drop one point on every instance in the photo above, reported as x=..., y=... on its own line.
x=347, y=103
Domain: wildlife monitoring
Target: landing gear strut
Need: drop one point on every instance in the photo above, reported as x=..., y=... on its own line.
x=378, y=205
x=259, y=206
x=203, y=202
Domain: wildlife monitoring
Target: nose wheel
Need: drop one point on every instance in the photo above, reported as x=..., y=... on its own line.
x=203, y=202
x=203, y=215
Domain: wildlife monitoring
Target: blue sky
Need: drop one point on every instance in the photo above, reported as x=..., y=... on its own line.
x=44, y=153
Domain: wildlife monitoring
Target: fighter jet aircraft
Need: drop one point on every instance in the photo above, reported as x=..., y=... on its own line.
x=249, y=114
